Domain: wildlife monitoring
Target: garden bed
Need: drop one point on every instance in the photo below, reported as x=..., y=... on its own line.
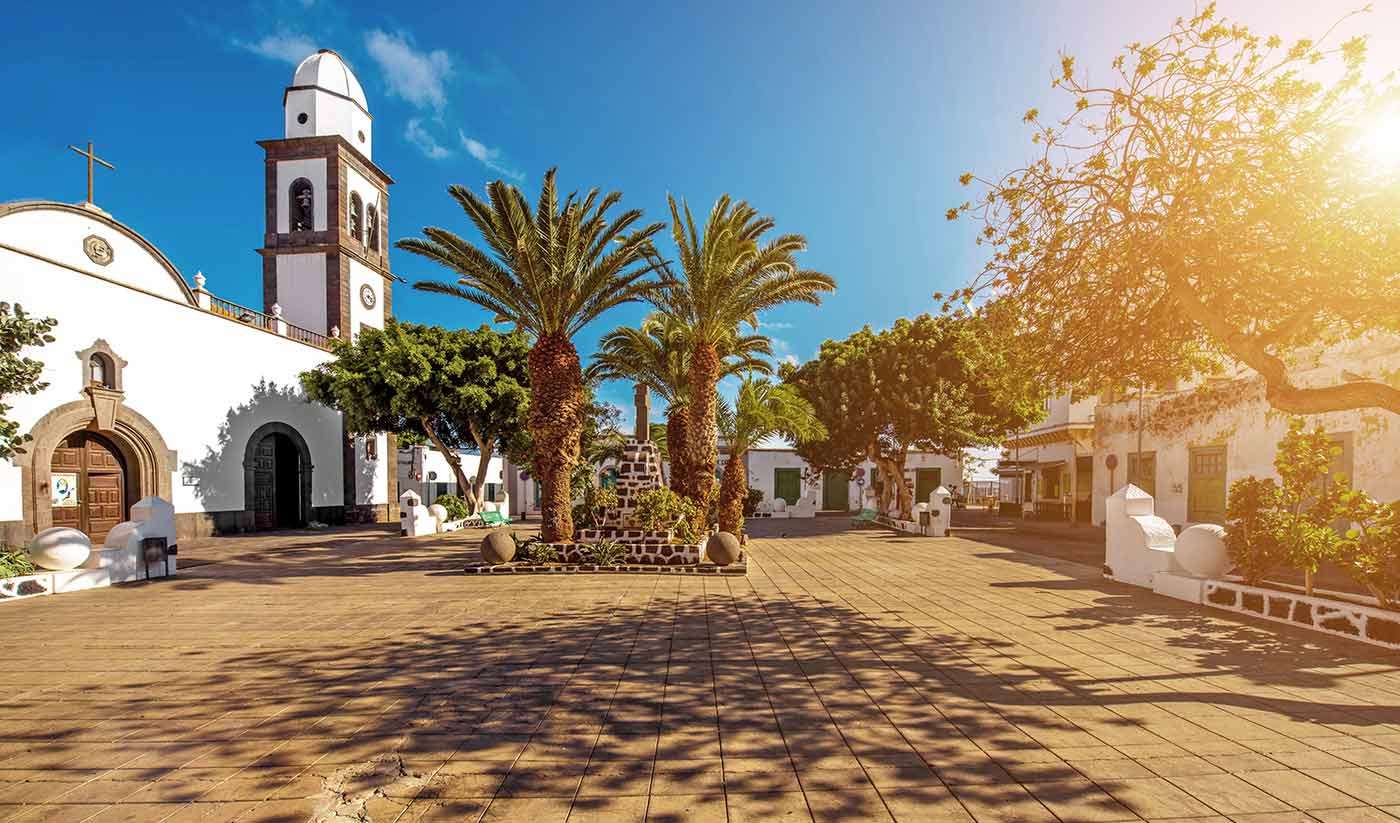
x=739, y=567
x=1334, y=616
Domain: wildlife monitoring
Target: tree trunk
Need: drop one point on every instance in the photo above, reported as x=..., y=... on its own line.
x=486, y=447
x=556, y=420
x=1279, y=389
x=894, y=469
x=454, y=461
x=732, y=491
x=1308, y=582
x=677, y=447
x=703, y=453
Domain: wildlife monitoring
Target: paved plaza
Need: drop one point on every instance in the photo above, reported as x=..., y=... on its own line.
x=852, y=676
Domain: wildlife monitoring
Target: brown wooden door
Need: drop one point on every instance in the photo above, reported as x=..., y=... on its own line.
x=88, y=486
x=265, y=484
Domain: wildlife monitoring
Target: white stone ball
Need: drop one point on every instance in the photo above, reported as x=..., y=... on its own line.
x=779, y=505
x=120, y=535
x=1200, y=550
x=439, y=512
x=59, y=549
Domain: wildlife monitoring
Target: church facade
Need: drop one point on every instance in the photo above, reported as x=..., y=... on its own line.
x=158, y=387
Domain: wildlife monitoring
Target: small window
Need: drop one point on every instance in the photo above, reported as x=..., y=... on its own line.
x=302, y=118
x=357, y=217
x=302, y=206
x=100, y=371
x=372, y=447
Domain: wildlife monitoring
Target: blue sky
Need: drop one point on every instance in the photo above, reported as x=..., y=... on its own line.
x=847, y=121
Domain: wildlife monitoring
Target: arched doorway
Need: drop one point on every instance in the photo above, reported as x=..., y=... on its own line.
x=277, y=478
x=90, y=484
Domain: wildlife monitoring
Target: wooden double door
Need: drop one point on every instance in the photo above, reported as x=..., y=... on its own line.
x=277, y=481
x=88, y=485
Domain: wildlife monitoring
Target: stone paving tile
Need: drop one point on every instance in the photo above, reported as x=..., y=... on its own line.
x=852, y=675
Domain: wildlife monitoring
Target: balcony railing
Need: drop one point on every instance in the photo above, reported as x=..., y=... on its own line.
x=271, y=323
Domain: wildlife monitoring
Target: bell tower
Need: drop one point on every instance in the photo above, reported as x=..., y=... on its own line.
x=325, y=246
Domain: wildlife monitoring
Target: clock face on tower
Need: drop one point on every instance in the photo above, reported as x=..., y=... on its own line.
x=367, y=298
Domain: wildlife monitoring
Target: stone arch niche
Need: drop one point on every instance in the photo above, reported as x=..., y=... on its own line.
x=147, y=460
x=277, y=473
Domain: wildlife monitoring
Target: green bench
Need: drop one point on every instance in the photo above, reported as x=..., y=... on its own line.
x=865, y=516
x=495, y=519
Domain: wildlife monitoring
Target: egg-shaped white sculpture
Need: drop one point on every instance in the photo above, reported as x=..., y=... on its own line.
x=439, y=512
x=59, y=549
x=779, y=505
x=1200, y=550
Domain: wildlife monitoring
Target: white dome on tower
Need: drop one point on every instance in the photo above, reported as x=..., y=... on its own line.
x=325, y=100
x=327, y=70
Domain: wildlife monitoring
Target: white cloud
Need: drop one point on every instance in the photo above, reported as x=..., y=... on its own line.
x=791, y=360
x=416, y=76
x=287, y=47
x=426, y=143
x=764, y=324
x=488, y=157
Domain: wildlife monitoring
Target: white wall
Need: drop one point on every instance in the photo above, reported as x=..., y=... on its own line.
x=301, y=290
x=59, y=236
x=313, y=169
x=205, y=382
x=327, y=114
x=435, y=464
x=763, y=463
x=361, y=276
x=1249, y=429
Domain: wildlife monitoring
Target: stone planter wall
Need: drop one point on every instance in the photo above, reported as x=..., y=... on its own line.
x=656, y=554
x=1342, y=618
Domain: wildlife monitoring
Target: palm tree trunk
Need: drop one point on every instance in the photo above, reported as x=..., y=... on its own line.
x=556, y=420
x=732, y=491
x=678, y=447
x=703, y=453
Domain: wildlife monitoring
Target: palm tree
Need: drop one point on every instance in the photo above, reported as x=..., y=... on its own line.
x=656, y=354
x=728, y=275
x=761, y=410
x=551, y=271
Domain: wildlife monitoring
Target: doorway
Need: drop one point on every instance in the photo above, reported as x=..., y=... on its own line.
x=89, y=484
x=926, y=482
x=787, y=484
x=836, y=491
x=1205, y=486
x=277, y=483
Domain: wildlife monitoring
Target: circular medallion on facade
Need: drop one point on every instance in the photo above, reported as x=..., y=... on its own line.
x=367, y=297
x=98, y=250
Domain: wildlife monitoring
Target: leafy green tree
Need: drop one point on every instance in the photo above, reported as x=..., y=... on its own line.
x=656, y=354
x=762, y=409
x=1252, y=528
x=550, y=270
x=1209, y=197
x=457, y=388
x=728, y=275
x=934, y=383
x=1370, y=551
x=19, y=374
x=1308, y=497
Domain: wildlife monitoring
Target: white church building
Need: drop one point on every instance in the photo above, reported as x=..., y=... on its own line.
x=156, y=387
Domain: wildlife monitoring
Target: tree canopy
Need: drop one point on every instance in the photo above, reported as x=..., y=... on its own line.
x=931, y=383
x=458, y=388
x=19, y=374
x=1211, y=197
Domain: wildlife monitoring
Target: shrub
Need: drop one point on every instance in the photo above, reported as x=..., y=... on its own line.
x=1371, y=547
x=535, y=550
x=751, y=502
x=1251, y=528
x=1307, y=498
x=456, y=506
x=664, y=510
x=15, y=562
x=607, y=553
x=597, y=502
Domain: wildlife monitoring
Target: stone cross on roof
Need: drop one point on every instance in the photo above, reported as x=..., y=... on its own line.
x=91, y=158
